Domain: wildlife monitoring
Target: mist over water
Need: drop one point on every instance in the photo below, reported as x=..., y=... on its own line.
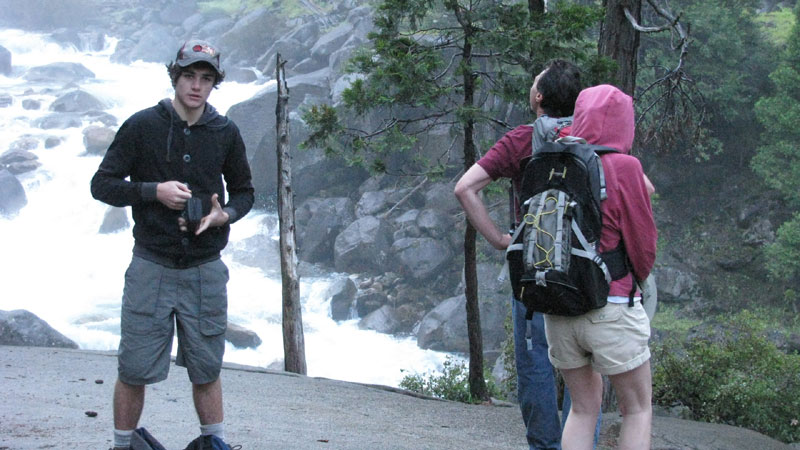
x=54, y=263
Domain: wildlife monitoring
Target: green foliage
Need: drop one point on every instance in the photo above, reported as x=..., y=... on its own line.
x=288, y=8
x=451, y=384
x=713, y=106
x=744, y=380
x=783, y=255
x=777, y=25
x=666, y=320
x=778, y=159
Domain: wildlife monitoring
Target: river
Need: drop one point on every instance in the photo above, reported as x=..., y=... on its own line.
x=54, y=263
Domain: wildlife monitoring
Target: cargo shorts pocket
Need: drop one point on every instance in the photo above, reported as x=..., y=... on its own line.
x=140, y=296
x=609, y=313
x=213, y=298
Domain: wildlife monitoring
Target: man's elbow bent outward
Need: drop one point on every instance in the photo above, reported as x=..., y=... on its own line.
x=467, y=192
x=552, y=99
x=183, y=169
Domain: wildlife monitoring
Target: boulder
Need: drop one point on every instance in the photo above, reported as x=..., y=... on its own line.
x=305, y=32
x=58, y=121
x=369, y=300
x=216, y=27
x=100, y=116
x=319, y=221
x=338, y=180
x=12, y=194
x=362, y=246
x=153, y=43
x=676, y=285
x=256, y=117
x=22, y=146
x=444, y=328
x=175, y=12
x=17, y=154
x=5, y=61
x=6, y=100
x=76, y=101
x=342, y=293
x=114, y=220
x=87, y=41
x=439, y=197
x=375, y=202
x=434, y=223
x=309, y=65
x=290, y=50
x=59, y=72
x=23, y=328
x=381, y=320
x=258, y=29
x=260, y=251
x=241, y=337
x=96, y=139
x=256, y=121
x=31, y=104
x=52, y=141
x=23, y=166
x=19, y=160
x=332, y=40
x=421, y=258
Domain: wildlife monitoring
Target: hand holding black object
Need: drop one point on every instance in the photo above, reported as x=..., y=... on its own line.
x=216, y=218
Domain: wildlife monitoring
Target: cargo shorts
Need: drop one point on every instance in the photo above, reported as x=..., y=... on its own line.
x=613, y=339
x=154, y=300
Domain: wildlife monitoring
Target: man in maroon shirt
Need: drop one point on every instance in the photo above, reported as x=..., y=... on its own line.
x=552, y=98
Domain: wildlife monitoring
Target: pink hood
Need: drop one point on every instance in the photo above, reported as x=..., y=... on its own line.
x=604, y=116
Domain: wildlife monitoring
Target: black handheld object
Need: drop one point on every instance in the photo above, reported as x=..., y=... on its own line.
x=193, y=213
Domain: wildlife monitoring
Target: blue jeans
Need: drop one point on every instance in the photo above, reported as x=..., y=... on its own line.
x=536, y=389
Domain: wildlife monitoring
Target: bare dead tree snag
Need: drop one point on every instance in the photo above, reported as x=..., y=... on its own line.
x=294, y=353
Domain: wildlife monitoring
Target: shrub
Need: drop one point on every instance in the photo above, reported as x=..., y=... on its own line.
x=744, y=380
x=451, y=384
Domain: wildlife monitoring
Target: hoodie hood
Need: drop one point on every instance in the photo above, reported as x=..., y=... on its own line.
x=210, y=118
x=604, y=116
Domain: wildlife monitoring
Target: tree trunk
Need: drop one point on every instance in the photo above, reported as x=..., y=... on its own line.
x=294, y=353
x=477, y=384
x=620, y=41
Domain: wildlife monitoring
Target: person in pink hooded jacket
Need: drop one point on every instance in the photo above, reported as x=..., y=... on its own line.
x=612, y=340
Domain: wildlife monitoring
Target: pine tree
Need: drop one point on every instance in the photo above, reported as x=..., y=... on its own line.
x=433, y=66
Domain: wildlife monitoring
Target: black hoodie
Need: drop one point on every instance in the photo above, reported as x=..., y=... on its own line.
x=155, y=145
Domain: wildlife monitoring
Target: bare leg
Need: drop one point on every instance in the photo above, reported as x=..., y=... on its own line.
x=635, y=394
x=128, y=404
x=208, y=402
x=586, y=389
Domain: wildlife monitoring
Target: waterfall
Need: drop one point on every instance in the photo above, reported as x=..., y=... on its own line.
x=54, y=263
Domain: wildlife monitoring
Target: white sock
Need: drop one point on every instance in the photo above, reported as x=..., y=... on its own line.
x=217, y=429
x=122, y=438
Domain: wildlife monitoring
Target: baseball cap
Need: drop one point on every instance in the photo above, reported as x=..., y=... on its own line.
x=194, y=51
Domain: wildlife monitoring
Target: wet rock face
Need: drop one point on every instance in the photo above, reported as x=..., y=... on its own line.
x=12, y=194
x=59, y=72
x=23, y=328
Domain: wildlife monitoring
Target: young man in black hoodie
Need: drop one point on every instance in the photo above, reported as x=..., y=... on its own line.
x=162, y=159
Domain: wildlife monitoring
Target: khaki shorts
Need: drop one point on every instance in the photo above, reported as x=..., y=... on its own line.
x=154, y=299
x=613, y=339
